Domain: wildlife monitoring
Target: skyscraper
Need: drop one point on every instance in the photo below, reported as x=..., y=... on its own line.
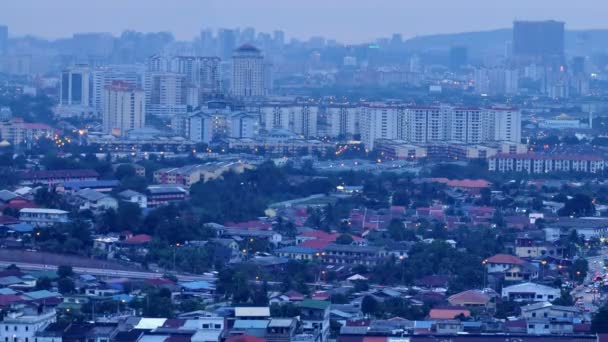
x=538, y=40
x=75, y=86
x=165, y=94
x=3, y=40
x=227, y=43
x=248, y=73
x=124, y=108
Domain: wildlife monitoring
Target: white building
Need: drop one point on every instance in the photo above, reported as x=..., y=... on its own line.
x=530, y=292
x=275, y=116
x=304, y=117
x=123, y=109
x=41, y=217
x=104, y=77
x=22, y=325
x=203, y=73
x=341, y=120
x=165, y=94
x=380, y=121
x=134, y=197
x=248, y=73
x=503, y=124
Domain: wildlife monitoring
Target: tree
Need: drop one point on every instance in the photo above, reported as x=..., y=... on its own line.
x=64, y=271
x=599, y=323
x=578, y=205
x=344, y=239
x=398, y=232
x=565, y=299
x=66, y=286
x=369, y=305
x=124, y=171
x=43, y=283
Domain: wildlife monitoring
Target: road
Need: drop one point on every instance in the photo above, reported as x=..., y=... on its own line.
x=102, y=272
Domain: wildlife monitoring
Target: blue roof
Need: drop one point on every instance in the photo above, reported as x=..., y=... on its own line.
x=250, y=324
x=7, y=291
x=91, y=184
x=42, y=294
x=21, y=227
x=298, y=249
x=198, y=285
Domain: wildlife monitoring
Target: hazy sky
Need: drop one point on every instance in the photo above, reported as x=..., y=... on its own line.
x=346, y=20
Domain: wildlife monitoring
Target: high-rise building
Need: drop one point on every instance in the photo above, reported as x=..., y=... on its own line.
x=538, y=40
x=204, y=73
x=75, y=87
x=249, y=73
x=123, y=109
x=341, y=120
x=279, y=39
x=304, y=117
x=105, y=76
x=380, y=121
x=3, y=40
x=165, y=94
x=226, y=43
x=275, y=116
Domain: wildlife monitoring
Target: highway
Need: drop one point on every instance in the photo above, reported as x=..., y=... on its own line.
x=102, y=272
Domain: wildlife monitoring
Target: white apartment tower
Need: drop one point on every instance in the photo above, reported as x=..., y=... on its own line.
x=341, y=120
x=304, y=118
x=380, y=121
x=124, y=108
x=165, y=94
x=248, y=73
x=275, y=116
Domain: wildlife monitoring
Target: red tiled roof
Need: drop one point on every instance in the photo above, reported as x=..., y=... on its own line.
x=245, y=338
x=59, y=174
x=159, y=281
x=139, y=239
x=173, y=323
x=470, y=297
x=505, y=259
x=316, y=244
x=448, y=313
x=4, y=219
x=9, y=299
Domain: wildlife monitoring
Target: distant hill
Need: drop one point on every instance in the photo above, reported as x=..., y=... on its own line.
x=495, y=40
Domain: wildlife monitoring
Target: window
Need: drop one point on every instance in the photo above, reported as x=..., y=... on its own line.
x=534, y=314
x=27, y=328
x=545, y=315
x=205, y=326
x=15, y=328
x=218, y=326
x=546, y=326
x=6, y=328
x=530, y=326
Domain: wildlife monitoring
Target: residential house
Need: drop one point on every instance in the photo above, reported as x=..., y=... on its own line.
x=549, y=311
x=23, y=321
x=134, y=197
x=314, y=316
x=88, y=199
x=530, y=292
x=510, y=267
x=353, y=255
x=471, y=299
x=40, y=217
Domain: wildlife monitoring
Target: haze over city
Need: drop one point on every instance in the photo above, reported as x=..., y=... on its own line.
x=353, y=21
x=303, y=171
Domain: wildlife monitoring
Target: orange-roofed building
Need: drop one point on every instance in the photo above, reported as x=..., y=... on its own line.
x=448, y=312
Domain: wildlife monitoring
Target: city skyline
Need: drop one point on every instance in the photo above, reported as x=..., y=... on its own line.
x=33, y=17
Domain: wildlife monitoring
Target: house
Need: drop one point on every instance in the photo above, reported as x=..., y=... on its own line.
x=251, y=312
x=134, y=197
x=23, y=321
x=103, y=186
x=353, y=255
x=471, y=299
x=281, y=329
x=51, y=177
x=530, y=292
x=88, y=199
x=314, y=316
x=529, y=248
x=40, y=217
x=298, y=253
x=159, y=195
x=549, y=311
x=448, y=312
x=511, y=267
